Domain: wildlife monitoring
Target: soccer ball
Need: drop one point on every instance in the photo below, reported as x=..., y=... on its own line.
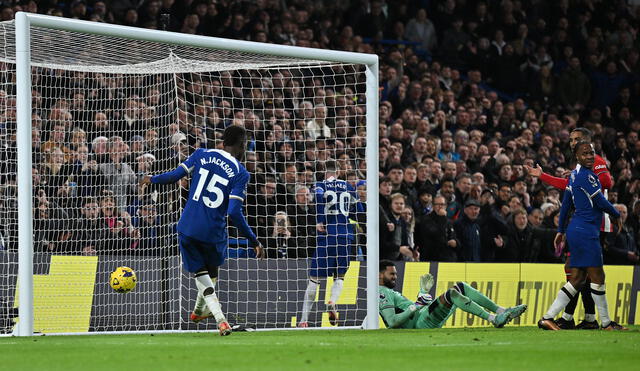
x=123, y=279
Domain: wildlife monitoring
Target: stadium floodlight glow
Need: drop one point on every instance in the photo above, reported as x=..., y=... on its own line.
x=173, y=83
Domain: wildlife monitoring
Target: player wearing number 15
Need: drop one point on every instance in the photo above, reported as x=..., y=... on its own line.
x=217, y=189
x=335, y=203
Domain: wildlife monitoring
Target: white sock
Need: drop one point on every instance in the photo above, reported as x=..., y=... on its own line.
x=564, y=297
x=201, y=305
x=492, y=318
x=600, y=298
x=309, y=298
x=204, y=282
x=336, y=289
x=589, y=317
x=500, y=310
x=567, y=316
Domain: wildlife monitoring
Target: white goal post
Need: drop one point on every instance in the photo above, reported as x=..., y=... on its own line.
x=262, y=58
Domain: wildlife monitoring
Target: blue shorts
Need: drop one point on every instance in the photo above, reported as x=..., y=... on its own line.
x=197, y=254
x=331, y=258
x=584, y=247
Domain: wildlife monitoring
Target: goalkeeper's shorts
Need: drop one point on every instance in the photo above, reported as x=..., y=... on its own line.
x=331, y=258
x=197, y=255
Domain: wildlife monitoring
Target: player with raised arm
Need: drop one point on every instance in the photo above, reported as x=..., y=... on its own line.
x=584, y=191
x=218, y=188
x=566, y=322
x=400, y=312
x=335, y=200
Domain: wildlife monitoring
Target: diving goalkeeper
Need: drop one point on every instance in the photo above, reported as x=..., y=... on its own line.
x=399, y=312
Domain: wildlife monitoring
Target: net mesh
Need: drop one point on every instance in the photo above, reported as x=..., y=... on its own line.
x=107, y=111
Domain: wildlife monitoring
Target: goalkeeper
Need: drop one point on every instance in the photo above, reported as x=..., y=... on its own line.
x=399, y=312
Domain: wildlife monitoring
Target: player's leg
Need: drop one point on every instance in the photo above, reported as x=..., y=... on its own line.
x=318, y=268
x=600, y=298
x=566, y=293
x=589, y=322
x=309, y=299
x=566, y=322
x=488, y=304
x=339, y=257
x=435, y=314
x=196, y=258
x=453, y=296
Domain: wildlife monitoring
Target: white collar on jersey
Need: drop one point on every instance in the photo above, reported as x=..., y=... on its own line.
x=226, y=155
x=578, y=167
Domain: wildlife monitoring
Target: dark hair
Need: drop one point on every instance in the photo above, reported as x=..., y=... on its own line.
x=395, y=166
x=385, y=179
x=580, y=144
x=331, y=166
x=584, y=132
x=382, y=266
x=234, y=135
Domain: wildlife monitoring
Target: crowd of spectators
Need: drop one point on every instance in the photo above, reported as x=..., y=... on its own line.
x=471, y=92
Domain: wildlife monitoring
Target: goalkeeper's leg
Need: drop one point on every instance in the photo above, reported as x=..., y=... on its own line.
x=478, y=297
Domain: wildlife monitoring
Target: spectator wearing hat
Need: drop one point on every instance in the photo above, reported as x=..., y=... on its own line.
x=467, y=230
x=424, y=204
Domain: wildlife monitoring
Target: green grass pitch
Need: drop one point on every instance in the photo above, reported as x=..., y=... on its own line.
x=443, y=349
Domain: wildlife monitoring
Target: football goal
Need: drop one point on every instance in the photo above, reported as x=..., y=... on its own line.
x=89, y=108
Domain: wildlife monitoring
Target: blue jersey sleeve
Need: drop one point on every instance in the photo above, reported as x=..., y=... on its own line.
x=567, y=202
x=319, y=192
x=239, y=188
x=190, y=162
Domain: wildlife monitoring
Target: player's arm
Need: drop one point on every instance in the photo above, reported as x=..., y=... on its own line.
x=567, y=202
x=556, y=182
x=174, y=175
x=600, y=169
x=234, y=210
x=395, y=320
x=603, y=204
x=321, y=218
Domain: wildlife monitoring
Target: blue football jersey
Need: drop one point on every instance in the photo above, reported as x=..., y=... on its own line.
x=216, y=176
x=584, y=186
x=335, y=200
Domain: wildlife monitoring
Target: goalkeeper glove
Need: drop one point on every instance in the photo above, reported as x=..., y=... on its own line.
x=426, y=283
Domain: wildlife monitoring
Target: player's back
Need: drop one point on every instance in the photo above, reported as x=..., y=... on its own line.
x=335, y=200
x=583, y=185
x=216, y=175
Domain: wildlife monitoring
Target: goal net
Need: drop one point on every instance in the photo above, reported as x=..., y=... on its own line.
x=106, y=110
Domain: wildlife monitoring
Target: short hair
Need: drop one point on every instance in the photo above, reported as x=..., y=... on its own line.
x=385, y=179
x=234, y=135
x=395, y=166
x=518, y=212
x=584, y=132
x=580, y=144
x=397, y=195
x=331, y=166
x=383, y=264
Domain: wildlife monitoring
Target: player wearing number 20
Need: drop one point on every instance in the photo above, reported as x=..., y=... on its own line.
x=217, y=189
x=334, y=205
